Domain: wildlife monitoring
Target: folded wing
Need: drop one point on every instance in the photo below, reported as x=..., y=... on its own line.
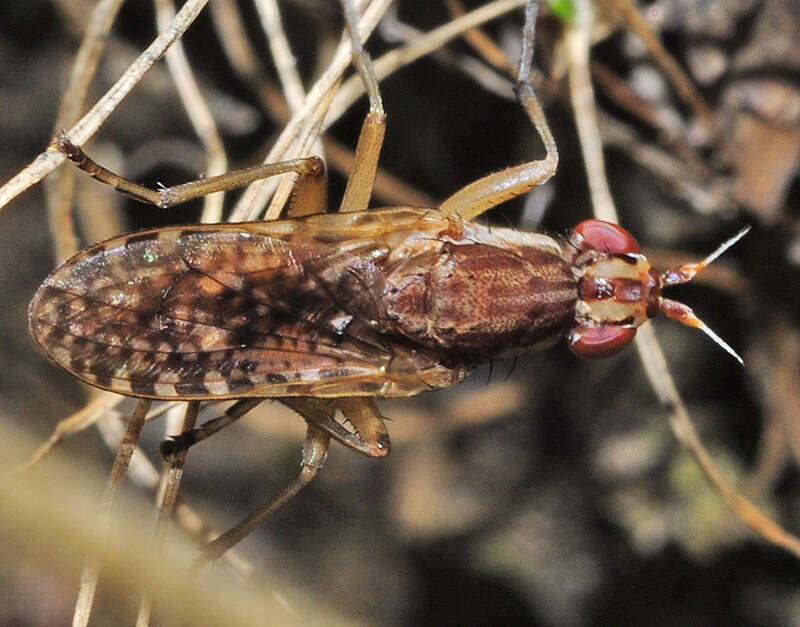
x=225, y=311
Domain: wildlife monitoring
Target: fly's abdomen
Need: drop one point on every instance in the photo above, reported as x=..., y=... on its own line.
x=479, y=301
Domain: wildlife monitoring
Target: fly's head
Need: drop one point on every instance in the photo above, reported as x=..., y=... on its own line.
x=618, y=290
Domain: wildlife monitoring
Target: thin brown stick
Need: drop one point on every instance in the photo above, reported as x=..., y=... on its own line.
x=74, y=423
x=485, y=74
x=91, y=569
x=683, y=84
x=482, y=43
x=673, y=171
x=100, y=404
x=775, y=357
x=673, y=134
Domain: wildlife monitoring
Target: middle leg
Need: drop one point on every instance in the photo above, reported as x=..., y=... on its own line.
x=315, y=452
x=358, y=192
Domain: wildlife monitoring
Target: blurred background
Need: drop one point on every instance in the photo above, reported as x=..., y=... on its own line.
x=548, y=491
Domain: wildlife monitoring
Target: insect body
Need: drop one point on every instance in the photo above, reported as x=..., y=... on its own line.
x=384, y=303
x=320, y=309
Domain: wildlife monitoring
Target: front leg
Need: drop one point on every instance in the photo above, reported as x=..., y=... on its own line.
x=493, y=189
x=310, y=169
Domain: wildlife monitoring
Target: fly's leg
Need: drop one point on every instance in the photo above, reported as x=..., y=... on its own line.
x=358, y=192
x=361, y=429
x=308, y=196
x=179, y=444
x=362, y=176
x=310, y=169
x=359, y=426
x=353, y=421
x=315, y=451
x=493, y=189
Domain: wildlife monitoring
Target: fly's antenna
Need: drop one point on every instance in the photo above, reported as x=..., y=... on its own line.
x=685, y=273
x=684, y=314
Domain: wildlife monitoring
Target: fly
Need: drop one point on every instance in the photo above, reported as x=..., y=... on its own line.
x=326, y=311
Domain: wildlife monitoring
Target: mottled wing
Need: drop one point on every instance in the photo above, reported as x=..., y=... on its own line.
x=223, y=311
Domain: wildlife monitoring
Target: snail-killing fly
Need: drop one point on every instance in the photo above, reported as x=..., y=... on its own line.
x=324, y=311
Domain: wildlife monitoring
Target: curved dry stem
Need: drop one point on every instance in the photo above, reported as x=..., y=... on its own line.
x=88, y=125
x=490, y=74
x=77, y=422
x=658, y=374
x=673, y=134
x=197, y=109
x=482, y=43
x=166, y=500
x=675, y=172
x=352, y=89
x=91, y=570
x=98, y=407
x=775, y=359
x=59, y=195
x=577, y=41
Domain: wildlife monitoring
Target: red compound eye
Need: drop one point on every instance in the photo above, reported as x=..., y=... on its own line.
x=607, y=237
x=601, y=341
